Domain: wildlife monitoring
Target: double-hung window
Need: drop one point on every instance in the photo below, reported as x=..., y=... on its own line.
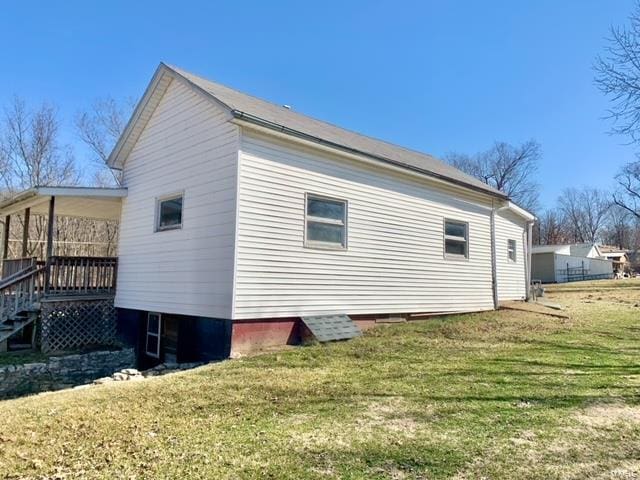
x=511, y=250
x=325, y=223
x=152, y=344
x=456, y=239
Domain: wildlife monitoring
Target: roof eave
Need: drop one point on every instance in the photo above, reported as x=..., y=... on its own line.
x=254, y=120
x=527, y=215
x=118, y=155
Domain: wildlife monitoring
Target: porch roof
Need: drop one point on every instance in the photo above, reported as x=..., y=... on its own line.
x=89, y=202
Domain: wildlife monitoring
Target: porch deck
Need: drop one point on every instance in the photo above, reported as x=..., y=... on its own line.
x=29, y=283
x=29, y=287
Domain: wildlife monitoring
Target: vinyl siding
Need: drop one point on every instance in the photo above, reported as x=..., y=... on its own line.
x=510, y=275
x=187, y=146
x=395, y=258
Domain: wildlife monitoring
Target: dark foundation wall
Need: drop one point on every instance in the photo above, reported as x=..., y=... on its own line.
x=203, y=339
x=199, y=339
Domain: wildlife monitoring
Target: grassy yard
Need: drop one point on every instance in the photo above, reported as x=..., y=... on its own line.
x=496, y=395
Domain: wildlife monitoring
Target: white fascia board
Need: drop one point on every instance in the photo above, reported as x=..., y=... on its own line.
x=521, y=212
x=94, y=192
x=119, y=153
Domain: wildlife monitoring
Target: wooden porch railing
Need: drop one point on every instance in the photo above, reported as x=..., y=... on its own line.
x=81, y=275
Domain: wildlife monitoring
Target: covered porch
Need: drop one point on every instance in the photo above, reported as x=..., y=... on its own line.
x=61, y=274
x=69, y=295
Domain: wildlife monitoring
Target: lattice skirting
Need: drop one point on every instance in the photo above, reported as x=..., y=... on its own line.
x=73, y=324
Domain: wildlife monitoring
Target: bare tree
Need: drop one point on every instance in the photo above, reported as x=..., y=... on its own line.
x=508, y=168
x=619, y=228
x=30, y=152
x=627, y=196
x=551, y=228
x=585, y=211
x=618, y=76
x=99, y=127
x=31, y=155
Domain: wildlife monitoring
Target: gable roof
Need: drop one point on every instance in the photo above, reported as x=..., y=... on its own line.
x=260, y=112
x=573, y=249
x=607, y=249
x=584, y=249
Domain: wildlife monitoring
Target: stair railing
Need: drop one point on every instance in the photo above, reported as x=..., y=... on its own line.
x=21, y=291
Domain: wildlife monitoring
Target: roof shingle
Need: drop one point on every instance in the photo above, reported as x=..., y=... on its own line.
x=276, y=114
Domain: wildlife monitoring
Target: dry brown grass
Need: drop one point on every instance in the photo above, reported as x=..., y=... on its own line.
x=494, y=395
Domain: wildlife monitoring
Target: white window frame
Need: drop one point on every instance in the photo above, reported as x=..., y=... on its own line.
x=315, y=244
x=165, y=198
x=455, y=238
x=149, y=333
x=514, y=250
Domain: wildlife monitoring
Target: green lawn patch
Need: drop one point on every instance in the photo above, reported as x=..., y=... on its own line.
x=503, y=394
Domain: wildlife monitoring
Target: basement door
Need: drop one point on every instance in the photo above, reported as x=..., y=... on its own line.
x=162, y=337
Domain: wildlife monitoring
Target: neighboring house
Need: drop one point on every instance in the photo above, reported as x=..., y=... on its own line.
x=566, y=263
x=619, y=257
x=242, y=216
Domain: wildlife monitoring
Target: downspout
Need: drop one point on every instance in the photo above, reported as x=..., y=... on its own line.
x=528, y=257
x=494, y=272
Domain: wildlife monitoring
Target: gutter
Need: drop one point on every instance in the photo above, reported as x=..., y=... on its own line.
x=252, y=119
x=529, y=259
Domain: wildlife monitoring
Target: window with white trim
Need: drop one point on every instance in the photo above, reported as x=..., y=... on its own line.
x=152, y=344
x=325, y=222
x=511, y=250
x=169, y=212
x=456, y=239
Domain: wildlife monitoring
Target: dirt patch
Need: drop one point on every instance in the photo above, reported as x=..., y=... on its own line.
x=389, y=414
x=609, y=414
x=526, y=437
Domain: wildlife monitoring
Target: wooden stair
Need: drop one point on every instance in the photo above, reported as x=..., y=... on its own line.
x=20, y=296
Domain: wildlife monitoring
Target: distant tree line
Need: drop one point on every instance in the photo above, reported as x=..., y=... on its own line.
x=580, y=215
x=32, y=154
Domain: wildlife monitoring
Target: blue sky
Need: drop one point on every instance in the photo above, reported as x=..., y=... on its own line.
x=434, y=76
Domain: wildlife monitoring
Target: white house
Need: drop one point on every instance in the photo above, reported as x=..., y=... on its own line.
x=242, y=216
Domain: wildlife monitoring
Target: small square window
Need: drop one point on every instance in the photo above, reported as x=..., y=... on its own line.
x=511, y=250
x=325, y=223
x=456, y=236
x=169, y=213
